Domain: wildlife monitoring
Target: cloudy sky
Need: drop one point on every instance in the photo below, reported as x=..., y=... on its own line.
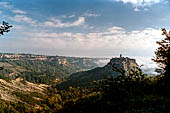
x=94, y=28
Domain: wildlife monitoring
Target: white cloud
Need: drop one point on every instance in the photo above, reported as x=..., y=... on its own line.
x=54, y=35
x=78, y=22
x=90, y=14
x=23, y=18
x=136, y=9
x=6, y=5
x=148, y=65
x=112, y=41
x=68, y=16
x=71, y=16
x=11, y=8
x=116, y=30
x=17, y=11
x=141, y=4
x=53, y=22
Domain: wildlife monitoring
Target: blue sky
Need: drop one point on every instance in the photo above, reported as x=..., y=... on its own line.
x=94, y=28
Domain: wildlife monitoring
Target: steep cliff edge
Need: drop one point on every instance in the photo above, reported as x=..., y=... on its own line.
x=114, y=68
x=122, y=64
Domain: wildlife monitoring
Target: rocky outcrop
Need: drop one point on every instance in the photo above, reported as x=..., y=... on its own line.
x=116, y=67
x=122, y=65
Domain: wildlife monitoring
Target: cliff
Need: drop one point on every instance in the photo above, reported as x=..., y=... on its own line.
x=114, y=68
x=122, y=64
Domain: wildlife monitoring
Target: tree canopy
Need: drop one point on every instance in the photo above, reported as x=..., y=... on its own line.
x=5, y=27
x=163, y=53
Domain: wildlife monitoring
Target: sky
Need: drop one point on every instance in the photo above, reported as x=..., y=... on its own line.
x=93, y=28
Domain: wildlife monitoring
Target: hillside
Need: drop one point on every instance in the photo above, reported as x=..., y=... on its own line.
x=133, y=92
x=22, y=94
x=112, y=69
x=43, y=69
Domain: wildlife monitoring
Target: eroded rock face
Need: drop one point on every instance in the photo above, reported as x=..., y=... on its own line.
x=116, y=67
x=123, y=64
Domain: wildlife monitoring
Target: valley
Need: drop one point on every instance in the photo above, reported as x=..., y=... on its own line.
x=38, y=83
x=84, y=56
x=43, y=69
x=32, y=79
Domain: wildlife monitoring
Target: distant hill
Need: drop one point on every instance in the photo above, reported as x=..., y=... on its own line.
x=43, y=69
x=86, y=78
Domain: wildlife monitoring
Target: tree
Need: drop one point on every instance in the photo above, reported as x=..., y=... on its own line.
x=163, y=54
x=4, y=28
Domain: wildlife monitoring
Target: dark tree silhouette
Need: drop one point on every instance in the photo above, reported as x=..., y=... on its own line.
x=163, y=53
x=4, y=28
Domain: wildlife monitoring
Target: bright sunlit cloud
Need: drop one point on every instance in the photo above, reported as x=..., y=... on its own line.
x=107, y=30
x=141, y=4
x=17, y=11
x=53, y=22
x=115, y=39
